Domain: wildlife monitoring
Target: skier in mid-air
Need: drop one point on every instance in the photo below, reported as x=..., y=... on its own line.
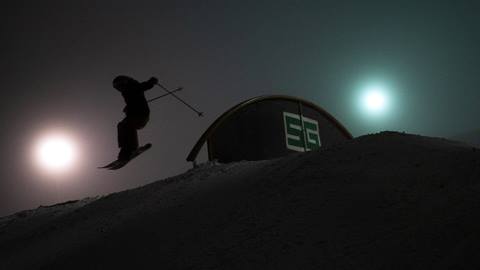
x=137, y=113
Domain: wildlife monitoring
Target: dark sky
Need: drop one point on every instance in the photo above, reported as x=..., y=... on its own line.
x=59, y=58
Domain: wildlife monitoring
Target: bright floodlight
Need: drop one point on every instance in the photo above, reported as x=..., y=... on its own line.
x=375, y=100
x=55, y=153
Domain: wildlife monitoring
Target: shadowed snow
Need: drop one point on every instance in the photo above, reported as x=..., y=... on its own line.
x=382, y=201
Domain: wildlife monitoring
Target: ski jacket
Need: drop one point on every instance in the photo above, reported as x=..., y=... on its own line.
x=134, y=96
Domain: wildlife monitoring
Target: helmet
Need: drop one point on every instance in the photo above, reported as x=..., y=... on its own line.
x=122, y=81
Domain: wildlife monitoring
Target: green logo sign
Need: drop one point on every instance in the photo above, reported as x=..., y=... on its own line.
x=301, y=133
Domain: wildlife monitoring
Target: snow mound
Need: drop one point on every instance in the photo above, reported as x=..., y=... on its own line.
x=382, y=201
x=471, y=137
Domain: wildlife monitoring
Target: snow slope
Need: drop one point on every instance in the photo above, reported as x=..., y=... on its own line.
x=472, y=137
x=382, y=201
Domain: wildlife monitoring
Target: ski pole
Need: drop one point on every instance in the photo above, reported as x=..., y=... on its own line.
x=181, y=100
x=167, y=94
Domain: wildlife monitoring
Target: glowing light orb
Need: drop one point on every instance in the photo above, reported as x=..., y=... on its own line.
x=375, y=100
x=55, y=152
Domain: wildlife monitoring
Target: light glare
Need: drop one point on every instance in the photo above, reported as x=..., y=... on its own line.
x=55, y=153
x=375, y=100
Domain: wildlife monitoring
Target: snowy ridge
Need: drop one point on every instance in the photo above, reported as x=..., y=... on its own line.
x=382, y=201
x=472, y=137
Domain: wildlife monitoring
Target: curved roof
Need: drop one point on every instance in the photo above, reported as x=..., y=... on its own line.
x=211, y=129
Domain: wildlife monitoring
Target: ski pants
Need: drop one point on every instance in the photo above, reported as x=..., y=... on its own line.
x=127, y=131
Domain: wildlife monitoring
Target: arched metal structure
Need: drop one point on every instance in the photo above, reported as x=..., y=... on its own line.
x=267, y=127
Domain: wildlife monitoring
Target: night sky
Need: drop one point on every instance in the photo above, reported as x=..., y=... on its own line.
x=59, y=58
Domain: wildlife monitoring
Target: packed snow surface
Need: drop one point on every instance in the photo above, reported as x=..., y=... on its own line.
x=382, y=201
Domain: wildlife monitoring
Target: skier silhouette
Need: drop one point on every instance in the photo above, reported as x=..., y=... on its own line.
x=137, y=112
